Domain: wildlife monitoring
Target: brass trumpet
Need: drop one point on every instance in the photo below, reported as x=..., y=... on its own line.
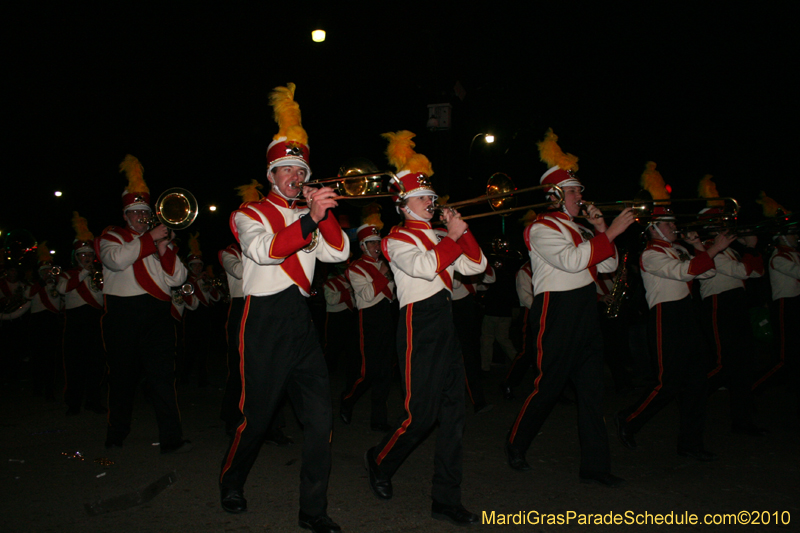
x=187, y=289
x=500, y=191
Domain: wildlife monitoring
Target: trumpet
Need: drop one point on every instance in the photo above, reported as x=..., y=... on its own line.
x=176, y=209
x=52, y=279
x=187, y=289
x=500, y=191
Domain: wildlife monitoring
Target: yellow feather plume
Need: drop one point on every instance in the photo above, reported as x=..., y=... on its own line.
x=653, y=183
x=134, y=171
x=400, y=148
x=374, y=220
x=194, y=244
x=249, y=192
x=771, y=207
x=708, y=189
x=370, y=209
x=442, y=200
x=43, y=252
x=81, y=227
x=528, y=218
x=551, y=154
x=287, y=114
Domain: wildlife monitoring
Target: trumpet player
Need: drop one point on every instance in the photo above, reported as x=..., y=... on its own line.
x=199, y=321
x=676, y=343
x=139, y=267
x=84, y=358
x=565, y=259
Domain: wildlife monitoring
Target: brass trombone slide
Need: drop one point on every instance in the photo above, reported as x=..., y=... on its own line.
x=643, y=205
x=356, y=186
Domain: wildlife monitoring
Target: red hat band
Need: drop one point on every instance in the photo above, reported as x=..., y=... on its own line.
x=139, y=200
x=79, y=246
x=562, y=178
x=368, y=232
x=289, y=151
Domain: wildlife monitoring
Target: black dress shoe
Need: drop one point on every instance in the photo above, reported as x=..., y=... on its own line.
x=516, y=459
x=505, y=388
x=704, y=456
x=624, y=433
x=381, y=427
x=455, y=514
x=601, y=478
x=381, y=485
x=346, y=412
x=178, y=447
x=745, y=429
x=232, y=500
x=278, y=438
x=318, y=524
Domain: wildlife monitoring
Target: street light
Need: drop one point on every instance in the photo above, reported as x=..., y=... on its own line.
x=318, y=36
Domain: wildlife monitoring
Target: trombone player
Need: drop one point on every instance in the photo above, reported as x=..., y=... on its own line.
x=565, y=259
x=139, y=267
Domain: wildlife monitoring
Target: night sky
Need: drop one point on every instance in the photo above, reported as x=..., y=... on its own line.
x=700, y=90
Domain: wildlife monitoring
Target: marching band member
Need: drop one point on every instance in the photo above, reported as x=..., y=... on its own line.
x=784, y=275
x=231, y=260
x=373, y=288
x=84, y=357
x=281, y=242
x=139, y=267
x=524, y=359
x=727, y=320
x=565, y=259
x=675, y=340
x=341, y=330
x=431, y=361
x=13, y=317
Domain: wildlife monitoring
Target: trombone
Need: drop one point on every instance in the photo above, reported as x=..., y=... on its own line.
x=176, y=209
x=500, y=191
x=643, y=205
x=357, y=186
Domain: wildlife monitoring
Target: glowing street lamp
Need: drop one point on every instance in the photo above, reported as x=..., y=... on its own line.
x=318, y=36
x=58, y=194
x=212, y=208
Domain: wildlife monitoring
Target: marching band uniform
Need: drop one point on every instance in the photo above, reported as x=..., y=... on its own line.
x=374, y=294
x=231, y=260
x=198, y=323
x=137, y=329
x=13, y=322
x=675, y=340
x=565, y=259
x=430, y=356
x=84, y=357
x=46, y=308
x=278, y=344
x=728, y=323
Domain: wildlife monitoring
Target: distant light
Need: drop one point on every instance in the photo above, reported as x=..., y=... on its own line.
x=489, y=138
x=669, y=189
x=52, y=252
x=318, y=36
x=212, y=208
x=58, y=193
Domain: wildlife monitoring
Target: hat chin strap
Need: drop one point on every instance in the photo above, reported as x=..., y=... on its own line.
x=415, y=216
x=658, y=230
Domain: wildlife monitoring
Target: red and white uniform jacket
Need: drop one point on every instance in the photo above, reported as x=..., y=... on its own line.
x=14, y=292
x=338, y=294
x=668, y=271
x=423, y=266
x=732, y=270
x=204, y=294
x=75, y=285
x=369, y=285
x=565, y=255
x=273, y=254
x=132, y=265
x=41, y=296
x=784, y=272
x=525, y=285
x=231, y=260
x=463, y=286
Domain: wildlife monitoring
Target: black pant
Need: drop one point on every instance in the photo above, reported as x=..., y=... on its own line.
x=566, y=335
x=46, y=334
x=281, y=354
x=727, y=324
x=199, y=330
x=229, y=412
x=467, y=317
x=433, y=376
x=524, y=359
x=84, y=357
x=341, y=340
x=374, y=367
x=139, y=334
x=678, y=353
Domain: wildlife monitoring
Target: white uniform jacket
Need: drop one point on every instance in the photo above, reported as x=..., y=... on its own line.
x=784, y=272
x=565, y=255
x=732, y=269
x=668, y=271
x=75, y=285
x=369, y=285
x=422, y=266
x=231, y=260
x=525, y=285
x=132, y=265
x=338, y=294
x=275, y=255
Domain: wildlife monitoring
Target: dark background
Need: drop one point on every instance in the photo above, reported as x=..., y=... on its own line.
x=701, y=90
